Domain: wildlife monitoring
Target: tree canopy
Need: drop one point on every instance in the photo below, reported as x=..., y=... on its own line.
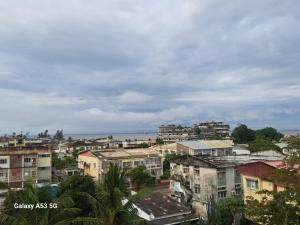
x=279, y=207
x=242, y=134
x=260, y=144
x=140, y=177
x=269, y=133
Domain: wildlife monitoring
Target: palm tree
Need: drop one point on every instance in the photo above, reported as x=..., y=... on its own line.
x=111, y=203
x=36, y=216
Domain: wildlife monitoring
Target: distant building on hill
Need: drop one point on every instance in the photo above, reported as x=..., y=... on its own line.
x=209, y=129
x=172, y=133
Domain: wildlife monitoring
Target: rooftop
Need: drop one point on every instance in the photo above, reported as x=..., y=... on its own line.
x=207, y=144
x=204, y=161
x=125, y=153
x=162, y=205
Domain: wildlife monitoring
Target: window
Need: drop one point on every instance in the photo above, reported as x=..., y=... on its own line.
x=1, y=174
x=221, y=178
x=222, y=194
x=197, y=188
x=252, y=184
x=138, y=163
x=126, y=164
x=44, y=155
x=185, y=169
x=238, y=189
x=3, y=161
x=27, y=160
x=197, y=171
x=33, y=173
x=94, y=165
x=237, y=177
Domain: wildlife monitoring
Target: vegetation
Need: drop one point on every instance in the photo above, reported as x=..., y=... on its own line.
x=44, y=134
x=269, y=133
x=59, y=164
x=59, y=135
x=260, y=144
x=282, y=207
x=197, y=131
x=143, y=145
x=166, y=165
x=159, y=141
x=229, y=211
x=80, y=201
x=215, y=137
x=294, y=143
x=62, y=208
x=140, y=177
x=242, y=134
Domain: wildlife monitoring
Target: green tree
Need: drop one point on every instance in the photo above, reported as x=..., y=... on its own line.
x=197, y=131
x=260, y=144
x=59, y=135
x=294, y=143
x=166, y=164
x=269, y=133
x=242, y=134
x=230, y=211
x=44, y=134
x=282, y=207
x=36, y=216
x=60, y=164
x=140, y=177
x=143, y=145
x=111, y=204
x=159, y=141
x=75, y=184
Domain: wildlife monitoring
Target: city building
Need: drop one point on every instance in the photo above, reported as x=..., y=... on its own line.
x=96, y=163
x=21, y=164
x=196, y=147
x=172, y=133
x=209, y=129
x=257, y=176
x=196, y=179
x=205, y=147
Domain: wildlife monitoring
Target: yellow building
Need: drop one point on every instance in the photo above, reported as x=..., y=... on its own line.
x=257, y=176
x=96, y=163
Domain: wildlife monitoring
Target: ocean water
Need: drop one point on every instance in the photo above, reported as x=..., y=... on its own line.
x=117, y=136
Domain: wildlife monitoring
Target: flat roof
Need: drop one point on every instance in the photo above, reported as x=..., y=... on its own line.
x=206, y=144
x=125, y=153
x=204, y=161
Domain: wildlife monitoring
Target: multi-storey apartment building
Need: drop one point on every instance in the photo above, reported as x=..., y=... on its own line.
x=96, y=163
x=209, y=129
x=197, y=147
x=171, y=133
x=21, y=164
x=200, y=178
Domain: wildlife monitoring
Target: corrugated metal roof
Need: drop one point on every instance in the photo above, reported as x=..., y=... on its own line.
x=195, y=144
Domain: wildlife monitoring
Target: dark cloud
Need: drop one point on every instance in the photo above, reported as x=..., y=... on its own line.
x=132, y=65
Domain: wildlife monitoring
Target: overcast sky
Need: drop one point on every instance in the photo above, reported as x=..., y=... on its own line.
x=131, y=65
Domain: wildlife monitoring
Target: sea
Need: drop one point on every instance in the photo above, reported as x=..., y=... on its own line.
x=140, y=135
x=117, y=136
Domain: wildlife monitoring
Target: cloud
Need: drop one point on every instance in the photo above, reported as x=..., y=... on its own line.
x=111, y=66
